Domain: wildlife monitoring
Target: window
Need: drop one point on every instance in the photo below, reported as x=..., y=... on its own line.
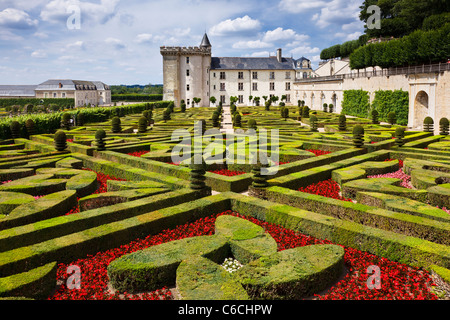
x=255, y=86
x=187, y=60
x=214, y=87
x=288, y=75
x=288, y=98
x=288, y=86
x=222, y=99
x=272, y=86
x=272, y=75
x=240, y=75
x=55, y=95
x=188, y=101
x=188, y=87
x=222, y=76
x=241, y=86
x=63, y=95
x=254, y=75
x=214, y=74
x=187, y=73
x=222, y=86
x=241, y=99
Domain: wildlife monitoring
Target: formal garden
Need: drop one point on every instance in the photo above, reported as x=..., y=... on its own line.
x=94, y=206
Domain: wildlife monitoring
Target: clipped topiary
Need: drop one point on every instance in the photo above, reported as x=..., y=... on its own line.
x=313, y=123
x=142, y=125
x=167, y=115
x=65, y=123
x=31, y=127
x=375, y=115
x=116, y=125
x=237, y=120
x=15, y=129
x=100, y=136
x=399, y=136
x=198, y=172
x=183, y=107
x=358, y=136
x=80, y=119
x=428, y=124
x=444, y=127
x=260, y=180
x=325, y=107
x=330, y=108
x=392, y=118
x=305, y=112
x=342, y=122
x=252, y=124
x=268, y=104
x=215, y=119
x=285, y=113
x=60, y=140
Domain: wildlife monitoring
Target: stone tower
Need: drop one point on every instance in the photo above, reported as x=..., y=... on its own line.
x=186, y=73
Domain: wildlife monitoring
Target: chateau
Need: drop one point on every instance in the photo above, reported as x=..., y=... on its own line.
x=192, y=72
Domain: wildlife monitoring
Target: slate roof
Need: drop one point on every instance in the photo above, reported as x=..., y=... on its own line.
x=236, y=63
x=17, y=91
x=205, y=41
x=54, y=85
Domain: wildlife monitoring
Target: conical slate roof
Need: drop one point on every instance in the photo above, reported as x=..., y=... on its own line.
x=205, y=42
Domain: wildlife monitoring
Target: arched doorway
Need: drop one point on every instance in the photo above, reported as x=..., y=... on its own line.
x=420, y=108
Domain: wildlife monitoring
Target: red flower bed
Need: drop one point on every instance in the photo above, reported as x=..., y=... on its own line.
x=398, y=281
x=400, y=162
x=228, y=173
x=138, y=153
x=328, y=188
x=319, y=152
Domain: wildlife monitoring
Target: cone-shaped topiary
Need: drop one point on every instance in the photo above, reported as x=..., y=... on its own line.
x=260, y=180
x=215, y=119
x=342, y=122
x=142, y=125
x=428, y=124
x=313, y=123
x=80, y=119
x=15, y=129
x=252, y=124
x=399, y=136
x=65, y=123
x=375, y=115
x=444, y=127
x=167, y=115
x=237, y=120
x=116, y=125
x=233, y=108
x=100, y=136
x=60, y=139
x=358, y=136
x=285, y=113
x=183, y=107
x=305, y=112
x=31, y=127
x=198, y=172
x=392, y=118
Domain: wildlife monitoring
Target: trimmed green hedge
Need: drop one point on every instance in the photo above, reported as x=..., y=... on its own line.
x=136, y=97
x=61, y=102
x=392, y=101
x=356, y=103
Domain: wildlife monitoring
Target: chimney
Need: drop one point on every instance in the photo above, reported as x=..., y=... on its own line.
x=279, y=55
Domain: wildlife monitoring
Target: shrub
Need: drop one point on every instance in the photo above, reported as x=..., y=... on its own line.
x=215, y=119
x=325, y=107
x=392, y=101
x=60, y=140
x=342, y=122
x=142, y=125
x=313, y=123
x=428, y=124
x=166, y=115
x=252, y=124
x=305, y=112
x=444, y=127
x=237, y=121
x=331, y=108
x=116, y=125
x=375, y=114
x=391, y=118
x=358, y=136
x=399, y=136
x=100, y=136
x=285, y=113
x=80, y=119
x=31, y=128
x=356, y=103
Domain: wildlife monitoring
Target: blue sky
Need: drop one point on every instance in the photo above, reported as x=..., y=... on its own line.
x=118, y=41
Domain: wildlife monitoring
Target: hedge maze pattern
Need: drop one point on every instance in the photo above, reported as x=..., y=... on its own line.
x=112, y=182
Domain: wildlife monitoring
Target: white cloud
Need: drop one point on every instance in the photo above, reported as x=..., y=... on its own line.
x=304, y=50
x=116, y=43
x=259, y=54
x=39, y=54
x=257, y=44
x=237, y=25
x=144, y=38
x=59, y=10
x=298, y=6
x=280, y=34
x=16, y=19
x=339, y=12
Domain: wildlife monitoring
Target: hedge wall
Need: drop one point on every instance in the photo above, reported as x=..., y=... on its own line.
x=136, y=97
x=62, y=102
x=397, y=101
x=356, y=103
